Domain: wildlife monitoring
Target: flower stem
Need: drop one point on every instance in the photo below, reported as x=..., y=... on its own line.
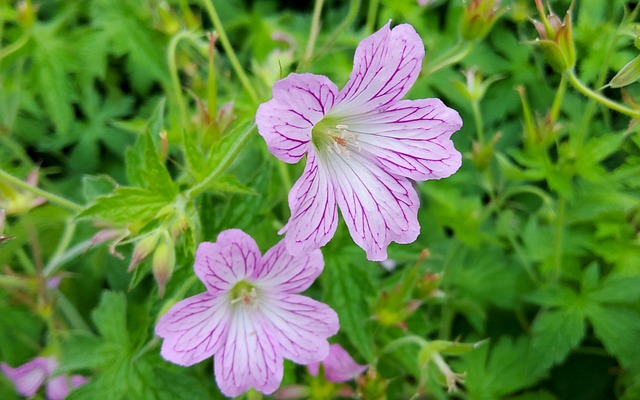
x=52, y=198
x=477, y=118
x=372, y=16
x=558, y=240
x=229, y=50
x=222, y=165
x=63, y=244
x=354, y=6
x=557, y=100
x=313, y=34
x=582, y=88
x=173, y=71
x=453, y=56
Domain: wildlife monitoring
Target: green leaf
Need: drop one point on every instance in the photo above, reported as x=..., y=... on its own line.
x=154, y=173
x=344, y=292
x=110, y=318
x=627, y=75
x=81, y=351
x=617, y=288
x=507, y=367
x=619, y=329
x=193, y=155
x=231, y=184
x=556, y=333
x=97, y=185
x=126, y=204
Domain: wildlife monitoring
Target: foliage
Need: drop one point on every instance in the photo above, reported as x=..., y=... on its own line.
x=139, y=124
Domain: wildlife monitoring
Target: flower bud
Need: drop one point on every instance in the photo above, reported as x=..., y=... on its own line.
x=371, y=386
x=143, y=249
x=164, y=261
x=26, y=14
x=482, y=154
x=225, y=116
x=479, y=17
x=556, y=39
x=627, y=75
x=474, y=87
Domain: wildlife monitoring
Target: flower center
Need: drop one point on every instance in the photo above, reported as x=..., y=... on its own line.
x=244, y=293
x=335, y=137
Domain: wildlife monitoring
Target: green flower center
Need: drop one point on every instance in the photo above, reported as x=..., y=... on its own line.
x=330, y=135
x=244, y=293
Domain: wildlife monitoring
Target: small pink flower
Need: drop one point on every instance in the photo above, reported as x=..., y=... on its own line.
x=338, y=365
x=364, y=145
x=29, y=377
x=251, y=316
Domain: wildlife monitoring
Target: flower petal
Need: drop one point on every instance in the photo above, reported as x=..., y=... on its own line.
x=411, y=138
x=301, y=326
x=314, y=212
x=28, y=377
x=249, y=358
x=338, y=366
x=283, y=272
x=385, y=66
x=194, y=328
x=231, y=258
x=57, y=388
x=377, y=207
x=299, y=102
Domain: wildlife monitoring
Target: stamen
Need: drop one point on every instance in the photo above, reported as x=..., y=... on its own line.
x=342, y=141
x=249, y=298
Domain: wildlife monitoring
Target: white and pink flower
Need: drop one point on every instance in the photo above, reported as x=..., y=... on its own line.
x=363, y=144
x=251, y=317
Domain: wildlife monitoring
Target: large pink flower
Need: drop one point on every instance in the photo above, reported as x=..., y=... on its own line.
x=251, y=316
x=363, y=145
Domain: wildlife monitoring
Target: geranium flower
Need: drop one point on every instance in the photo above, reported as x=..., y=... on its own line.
x=29, y=377
x=251, y=316
x=363, y=145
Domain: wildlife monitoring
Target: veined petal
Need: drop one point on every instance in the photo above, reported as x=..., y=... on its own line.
x=378, y=207
x=411, y=138
x=194, y=328
x=301, y=326
x=385, y=66
x=283, y=272
x=338, y=365
x=314, y=213
x=231, y=258
x=28, y=377
x=249, y=358
x=299, y=102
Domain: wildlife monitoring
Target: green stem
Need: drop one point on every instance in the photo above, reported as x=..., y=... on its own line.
x=313, y=34
x=52, y=198
x=173, y=71
x=15, y=46
x=453, y=56
x=71, y=314
x=394, y=344
x=372, y=14
x=557, y=100
x=354, y=7
x=557, y=253
x=229, y=50
x=63, y=244
x=573, y=79
x=222, y=165
x=477, y=118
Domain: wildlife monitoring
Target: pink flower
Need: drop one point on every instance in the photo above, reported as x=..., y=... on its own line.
x=251, y=316
x=338, y=365
x=29, y=377
x=363, y=145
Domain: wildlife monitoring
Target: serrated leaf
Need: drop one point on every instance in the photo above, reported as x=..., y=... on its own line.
x=506, y=367
x=344, y=293
x=126, y=204
x=154, y=173
x=617, y=289
x=556, y=333
x=193, y=155
x=80, y=351
x=110, y=318
x=619, y=329
x=553, y=296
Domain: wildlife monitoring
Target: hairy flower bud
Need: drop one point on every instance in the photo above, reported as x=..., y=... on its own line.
x=479, y=17
x=556, y=39
x=143, y=248
x=164, y=261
